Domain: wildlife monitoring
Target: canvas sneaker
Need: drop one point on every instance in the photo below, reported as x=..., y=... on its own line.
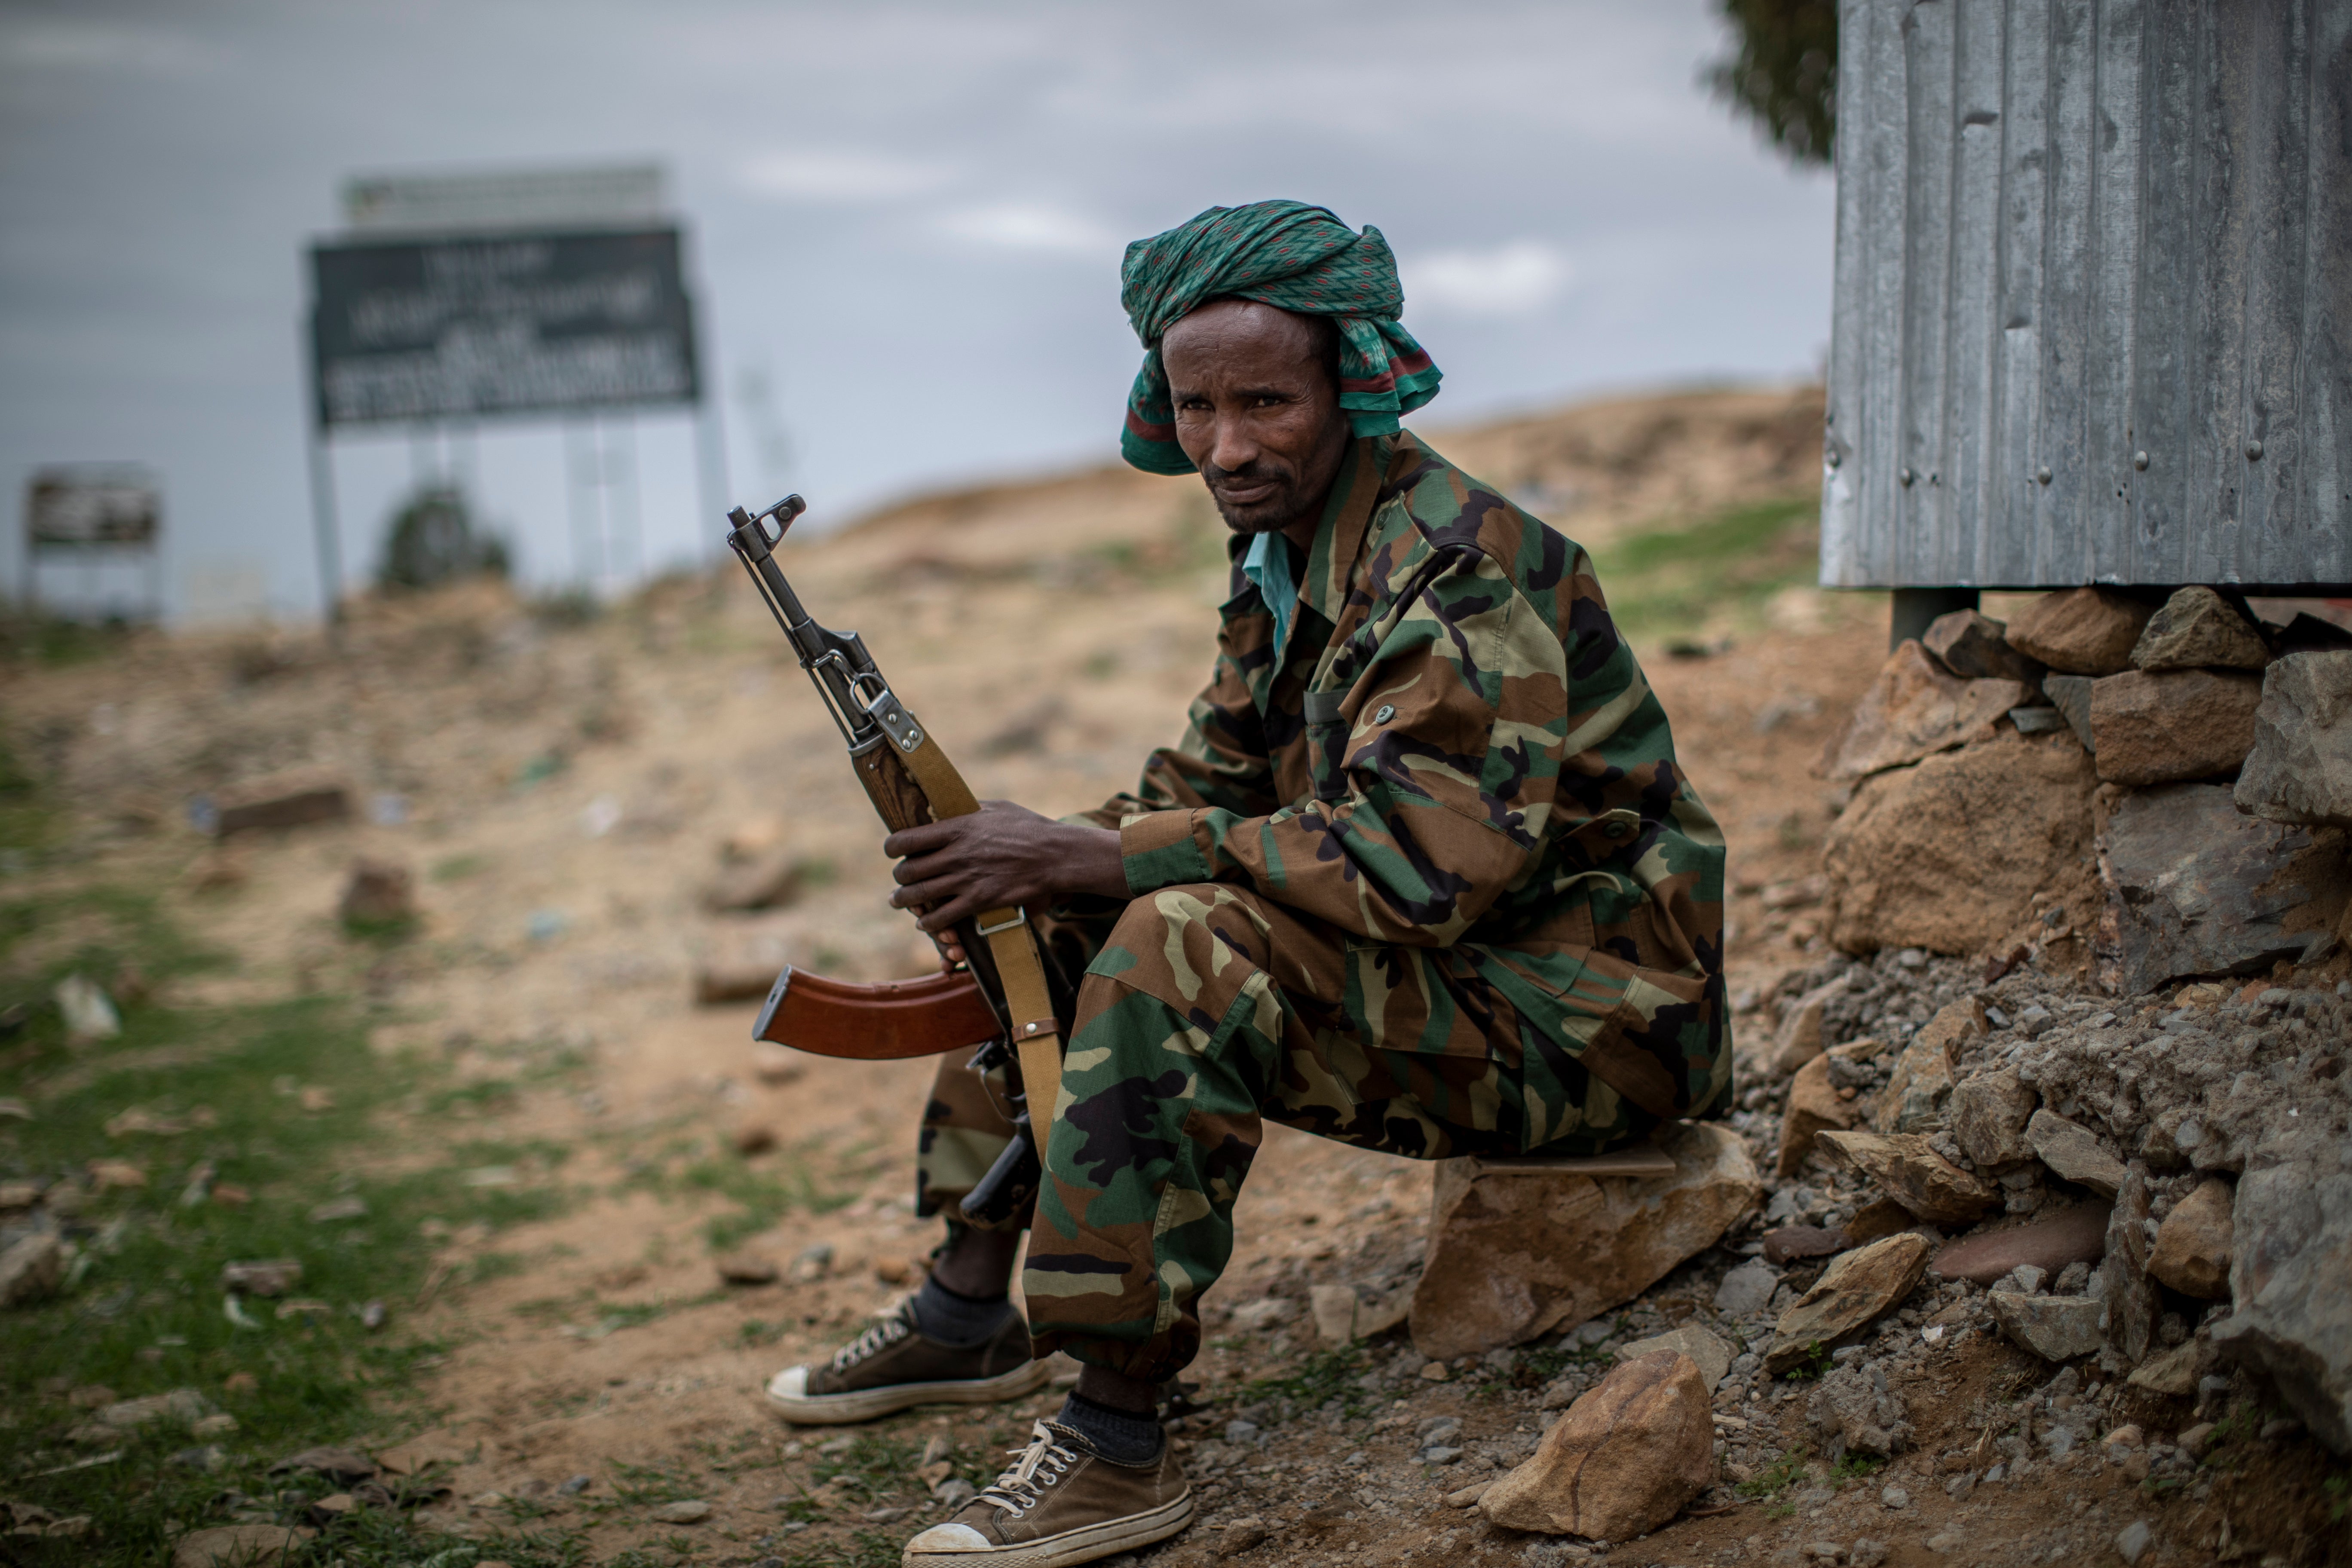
x=892, y=1366
x=1060, y=1503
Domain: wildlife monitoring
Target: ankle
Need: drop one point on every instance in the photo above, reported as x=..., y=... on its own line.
x=958, y=1321
x=1121, y=1437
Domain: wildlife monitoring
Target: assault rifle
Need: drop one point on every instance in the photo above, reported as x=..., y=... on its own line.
x=997, y=1000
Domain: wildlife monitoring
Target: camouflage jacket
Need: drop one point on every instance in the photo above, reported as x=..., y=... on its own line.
x=1459, y=754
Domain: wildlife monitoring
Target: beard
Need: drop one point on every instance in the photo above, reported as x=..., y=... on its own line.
x=1275, y=509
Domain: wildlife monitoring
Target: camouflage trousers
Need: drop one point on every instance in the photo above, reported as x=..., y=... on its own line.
x=1199, y=1012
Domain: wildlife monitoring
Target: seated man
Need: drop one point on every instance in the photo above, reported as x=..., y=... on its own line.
x=1424, y=876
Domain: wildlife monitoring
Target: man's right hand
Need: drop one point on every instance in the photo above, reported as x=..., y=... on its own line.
x=1001, y=857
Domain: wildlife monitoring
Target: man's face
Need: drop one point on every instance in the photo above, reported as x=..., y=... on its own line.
x=1257, y=411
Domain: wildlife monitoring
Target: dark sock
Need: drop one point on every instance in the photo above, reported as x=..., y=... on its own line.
x=955, y=1319
x=1116, y=1435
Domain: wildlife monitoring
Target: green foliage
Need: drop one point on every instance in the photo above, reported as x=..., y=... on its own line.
x=1321, y=1378
x=433, y=541
x=1774, y=1479
x=1675, y=579
x=1784, y=73
x=1816, y=1364
x=1855, y=1467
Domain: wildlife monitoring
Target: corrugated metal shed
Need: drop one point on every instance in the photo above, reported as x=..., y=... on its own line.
x=2094, y=298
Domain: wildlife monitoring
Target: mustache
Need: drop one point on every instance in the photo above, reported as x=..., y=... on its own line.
x=1255, y=471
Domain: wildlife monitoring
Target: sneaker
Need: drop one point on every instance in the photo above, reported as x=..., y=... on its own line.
x=892, y=1366
x=1060, y=1503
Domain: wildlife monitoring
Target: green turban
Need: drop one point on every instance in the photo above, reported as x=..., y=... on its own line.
x=1285, y=254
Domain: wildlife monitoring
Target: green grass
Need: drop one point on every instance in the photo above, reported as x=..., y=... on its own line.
x=1728, y=564
x=1322, y=1377
x=1778, y=1476
x=781, y=1182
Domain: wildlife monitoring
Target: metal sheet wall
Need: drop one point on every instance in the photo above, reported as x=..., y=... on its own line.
x=2094, y=295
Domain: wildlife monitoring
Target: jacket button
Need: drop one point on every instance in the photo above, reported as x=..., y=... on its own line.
x=1386, y=711
x=1612, y=830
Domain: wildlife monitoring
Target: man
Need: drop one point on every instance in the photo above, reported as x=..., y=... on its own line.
x=1424, y=876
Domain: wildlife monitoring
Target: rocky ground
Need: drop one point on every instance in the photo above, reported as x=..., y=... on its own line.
x=591, y=820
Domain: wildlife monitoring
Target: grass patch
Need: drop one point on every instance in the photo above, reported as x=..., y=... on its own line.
x=1855, y=1466
x=1775, y=1477
x=781, y=1184
x=1321, y=1378
x=1676, y=578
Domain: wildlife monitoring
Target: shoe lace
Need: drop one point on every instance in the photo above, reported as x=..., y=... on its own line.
x=1023, y=1485
x=873, y=1341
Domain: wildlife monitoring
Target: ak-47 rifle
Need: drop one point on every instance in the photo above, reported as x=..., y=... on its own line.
x=998, y=1000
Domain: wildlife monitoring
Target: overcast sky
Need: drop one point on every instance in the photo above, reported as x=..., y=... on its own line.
x=906, y=218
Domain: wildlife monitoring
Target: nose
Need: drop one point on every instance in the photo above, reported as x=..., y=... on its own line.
x=1233, y=445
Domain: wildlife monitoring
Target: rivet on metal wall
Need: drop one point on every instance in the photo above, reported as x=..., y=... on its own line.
x=1906, y=476
x=1831, y=457
x=2139, y=459
x=2042, y=473
x=2253, y=450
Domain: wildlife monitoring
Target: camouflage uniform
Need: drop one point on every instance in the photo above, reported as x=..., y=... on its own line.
x=1434, y=884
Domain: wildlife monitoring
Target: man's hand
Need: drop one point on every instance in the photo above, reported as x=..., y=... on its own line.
x=1001, y=857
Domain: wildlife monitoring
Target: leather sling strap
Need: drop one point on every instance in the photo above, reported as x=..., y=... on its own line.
x=1036, y=1037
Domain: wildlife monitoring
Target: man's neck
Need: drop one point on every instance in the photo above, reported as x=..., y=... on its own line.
x=1302, y=529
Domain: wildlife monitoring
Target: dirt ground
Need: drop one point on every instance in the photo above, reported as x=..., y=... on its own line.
x=563, y=797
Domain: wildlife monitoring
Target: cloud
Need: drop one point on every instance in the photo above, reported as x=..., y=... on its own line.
x=113, y=47
x=1032, y=227
x=1507, y=280
x=839, y=174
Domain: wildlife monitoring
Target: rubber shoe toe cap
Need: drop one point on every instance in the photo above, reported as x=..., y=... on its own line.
x=790, y=1383
x=950, y=1537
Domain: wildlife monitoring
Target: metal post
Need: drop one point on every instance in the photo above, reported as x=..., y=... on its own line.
x=625, y=489
x=322, y=518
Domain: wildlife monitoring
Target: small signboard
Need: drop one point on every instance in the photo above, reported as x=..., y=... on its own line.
x=621, y=195
x=93, y=509
x=466, y=326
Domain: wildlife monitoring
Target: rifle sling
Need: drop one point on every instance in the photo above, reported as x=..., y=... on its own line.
x=1015, y=949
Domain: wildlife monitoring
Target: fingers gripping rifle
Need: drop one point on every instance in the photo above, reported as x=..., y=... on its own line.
x=1001, y=1004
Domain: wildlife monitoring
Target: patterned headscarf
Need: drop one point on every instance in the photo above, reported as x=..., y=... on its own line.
x=1286, y=253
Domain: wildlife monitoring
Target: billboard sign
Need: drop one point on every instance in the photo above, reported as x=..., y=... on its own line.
x=92, y=509
x=466, y=326
x=626, y=196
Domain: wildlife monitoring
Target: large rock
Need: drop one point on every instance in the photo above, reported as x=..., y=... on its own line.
x=2072, y=1151
x=2183, y=724
x=2055, y=1328
x=1913, y=709
x=1516, y=1252
x=2085, y=631
x=1989, y=1116
x=1798, y=1041
x=31, y=1268
x=1747, y=1288
x=2195, y=887
x=2293, y=1316
x=2070, y=695
x=1858, y=1410
x=1814, y=1108
x=1975, y=647
x=2128, y=1299
x=281, y=800
x=377, y=893
x=2301, y=767
x=2197, y=628
x=2078, y=1234
x=2193, y=1245
x=1624, y=1459
x=1948, y=854
x=1857, y=1287
x=1711, y=1354
x=1919, y=1093
x=1911, y=1173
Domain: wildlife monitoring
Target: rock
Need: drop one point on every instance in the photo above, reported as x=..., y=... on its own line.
x=1948, y=855
x=754, y=1138
x=2078, y=1234
x=2196, y=1439
x=2194, y=888
x=2132, y=1540
x=262, y=1276
x=334, y=1209
x=239, y=1545
x=716, y=984
x=2070, y=695
x=1799, y=1039
x=2072, y=1151
x=1790, y=1242
x=345, y=1466
x=182, y=1408
x=1879, y=1217
x=1866, y=1552
x=1515, y=1253
x=1975, y=647
x=1814, y=1108
x=1624, y=1459
x=2292, y=1317
x=746, y=1269
x=212, y=1427
x=1858, y=1412
x=1914, y=710
x=776, y=1064
x=1342, y=1313
x=2083, y=631
x=1911, y=1173
x=2126, y=1296
x=31, y=1269
x=2197, y=628
x=2193, y=1245
x=1468, y=1495
x=811, y=1263
x=1712, y=1355
x=1919, y=1091
x=1989, y=1116
x=1747, y=1288
x=281, y=800
x=2040, y=720
x=2184, y=724
x=1851, y=1291
x=89, y=1011
x=2174, y=1373
x=2300, y=769
x=769, y=882
x=693, y=1510
x=377, y=893
x=2055, y=1328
